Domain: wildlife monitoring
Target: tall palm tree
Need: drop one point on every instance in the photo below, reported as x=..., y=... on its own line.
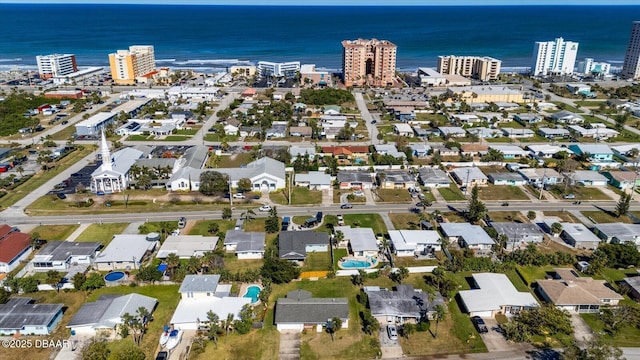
x=440, y=314
x=194, y=265
x=173, y=261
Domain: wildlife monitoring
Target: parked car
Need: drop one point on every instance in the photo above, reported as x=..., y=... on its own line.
x=265, y=208
x=346, y=206
x=175, y=232
x=424, y=204
x=182, y=222
x=392, y=331
x=61, y=196
x=570, y=196
x=65, y=122
x=239, y=196
x=358, y=193
x=162, y=355
x=479, y=324
x=340, y=220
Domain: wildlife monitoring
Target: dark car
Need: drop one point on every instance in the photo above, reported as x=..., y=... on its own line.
x=162, y=355
x=479, y=324
x=61, y=196
x=346, y=206
x=319, y=216
x=424, y=204
x=182, y=222
x=64, y=122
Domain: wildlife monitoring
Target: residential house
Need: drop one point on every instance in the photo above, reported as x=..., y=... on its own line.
x=576, y=294
x=633, y=287
x=61, y=255
x=420, y=150
x=544, y=106
x=200, y=294
x=596, y=152
x=588, y=178
x=539, y=177
x=389, y=149
x=187, y=246
x=250, y=131
x=295, y=245
x=525, y=119
x=510, y=151
x=469, y=176
x=626, y=151
x=433, y=177
x=400, y=179
x=452, y=131
x=300, y=131
x=299, y=310
x=494, y=294
x=403, y=129
x=469, y=236
x=276, y=131
x=514, y=133
x=485, y=133
x=415, y=242
x=623, y=179
x=355, y=180
x=420, y=132
x=445, y=151
x=246, y=245
x=104, y=316
x=510, y=178
x=301, y=151
x=126, y=252
x=332, y=110
x=518, y=233
x=22, y=316
x=579, y=236
x=402, y=305
x=547, y=150
x=362, y=241
x=350, y=153
x=231, y=130
x=596, y=132
x=15, y=247
x=314, y=180
x=618, y=232
x=464, y=118
x=474, y=149
x=554, y=133
x=566, y=117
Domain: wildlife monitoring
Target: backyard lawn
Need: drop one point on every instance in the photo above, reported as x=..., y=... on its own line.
x=373, y=221
x=102, y=232
x=54, y=232
x=501, y=192
x=452, y=193
x=317, y=261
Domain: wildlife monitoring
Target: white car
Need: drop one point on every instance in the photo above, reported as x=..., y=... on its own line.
x=265, y=208
x=239, y=196
x=358, y=193
x=175, y=232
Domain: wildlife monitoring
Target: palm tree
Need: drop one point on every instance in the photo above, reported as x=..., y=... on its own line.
x=144, y=182
x=173, y=261
x=20, y=170
x=194, y=265
x=248, y=215
x=214, y=326
x=440, y=314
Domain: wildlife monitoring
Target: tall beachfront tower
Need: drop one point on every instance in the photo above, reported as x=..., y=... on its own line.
x=56, y=65
x=129, y=66
x=556, y=57
x=371, y=62
x=631, y=66
x=478, y=67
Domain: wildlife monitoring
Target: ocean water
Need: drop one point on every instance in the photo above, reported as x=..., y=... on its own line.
x=210, y=37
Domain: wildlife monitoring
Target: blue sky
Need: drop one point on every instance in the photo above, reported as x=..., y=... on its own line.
x=341, y=2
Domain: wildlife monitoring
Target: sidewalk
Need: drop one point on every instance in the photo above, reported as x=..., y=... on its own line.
x=74, y=235
x=387, y=221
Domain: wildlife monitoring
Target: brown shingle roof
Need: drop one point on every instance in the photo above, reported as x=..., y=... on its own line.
x=12, y=244
x=345, y=150
x=572, y=290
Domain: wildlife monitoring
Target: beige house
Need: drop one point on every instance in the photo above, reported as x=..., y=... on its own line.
x=577, y=294
x=486, y=94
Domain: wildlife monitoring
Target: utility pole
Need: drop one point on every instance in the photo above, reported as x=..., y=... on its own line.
x=230, y=194
x=544, y=173
x=466, y=187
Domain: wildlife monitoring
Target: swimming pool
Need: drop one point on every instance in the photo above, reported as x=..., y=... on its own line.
x=355, y=264
x=252, y=292
x=114, y=276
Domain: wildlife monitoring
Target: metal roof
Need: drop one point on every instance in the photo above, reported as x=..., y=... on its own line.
x=405, y=301
x=494, y=291
x=410, y=239
x=361, y=239
x=199, y=283
x=19, y=312
x=292, y=244
x=126, y=247
x=299, y=307
x=472, y=234
x=245, y=241
x=186, y=246
x=62, y=250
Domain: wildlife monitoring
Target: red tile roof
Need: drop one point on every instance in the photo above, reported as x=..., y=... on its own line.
x=12, y=244
x=345, y=150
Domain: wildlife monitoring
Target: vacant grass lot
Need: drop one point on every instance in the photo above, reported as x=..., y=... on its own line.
x=562, y=215
x=405, y=221
x=201, y=227
x=102, y=232
x=393, y=195
x=452, y=193
x=628, y=336
x=606, y=217
x=373, y=221
x=54, y=232
x=42, y=177
x=304, y=196
x=229, y=161
x=501, y=192
x=582, y=193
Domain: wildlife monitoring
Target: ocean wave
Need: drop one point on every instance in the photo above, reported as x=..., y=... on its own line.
x=212, y=61
x=10, y=60
x=165, y=60
x=20, y=67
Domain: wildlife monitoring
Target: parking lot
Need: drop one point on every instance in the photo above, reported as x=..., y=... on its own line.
x=81, y=177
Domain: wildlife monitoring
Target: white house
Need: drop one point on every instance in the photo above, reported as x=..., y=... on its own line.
x=299, y=310
x=246, y=245
x=588, y=178
x=467, y=235
x=314, y=180
x=510, y=178
x=403, y=129
x=415, y=242
x=187, y=246
x=231, y=129
x=60, y=255
x=579, y=236
x=362, y=241
x=24, y=316
x=126, y=252
x=495, y=294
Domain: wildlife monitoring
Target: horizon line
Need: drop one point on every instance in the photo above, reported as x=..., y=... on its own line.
x=328, y=3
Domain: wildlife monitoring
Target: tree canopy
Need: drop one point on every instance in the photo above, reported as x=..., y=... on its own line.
x=325, y=96
x=213, y=182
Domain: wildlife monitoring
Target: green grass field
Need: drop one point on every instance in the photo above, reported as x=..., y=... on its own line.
x=102, y=232
x=54, y=232
x=373, y=221
x=452, y=193
x=501, y=192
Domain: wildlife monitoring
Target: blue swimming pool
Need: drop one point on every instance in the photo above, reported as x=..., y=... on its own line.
x=355, y=264
x=252, y=292
x=114, y=276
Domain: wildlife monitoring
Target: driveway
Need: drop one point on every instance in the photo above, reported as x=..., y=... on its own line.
x=180, y=351
x=391, y=349
x=289, y=346
x=494, y=340
x=582, y=331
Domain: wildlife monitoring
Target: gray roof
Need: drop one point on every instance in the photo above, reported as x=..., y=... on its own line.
x=299, y=307
x=633, y=282
x=360, y=239
x=314, y=178
x=245, y=241
x=518, y=231
x=579, y=232
x=433, y=176
x=195, y=157
x=19, y=312
x=108, y=310
x=126, y=247
x=199, y=283
x=621, y=231
x=354, y=176
x=494, y=291
x=396, y=176
x=472, y=234
x=468, y=173
x=296, y=151
x=593, y=149
x=156, y=162
x=292, y=244
x=506, y=176
x=405, y=301
x=588, y=175
x=62, y=250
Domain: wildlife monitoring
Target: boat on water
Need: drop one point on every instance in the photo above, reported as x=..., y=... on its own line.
x=174, y=339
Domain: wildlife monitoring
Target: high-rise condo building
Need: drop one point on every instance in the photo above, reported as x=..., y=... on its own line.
x=56, y=65
x=478, y=67
x=129, y=66
x=631, y=66
x=589, y=67
x=286, y=69
x=371, y=62
x=556, y=57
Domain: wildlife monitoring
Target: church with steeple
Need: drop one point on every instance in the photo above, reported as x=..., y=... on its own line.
x=112, y=175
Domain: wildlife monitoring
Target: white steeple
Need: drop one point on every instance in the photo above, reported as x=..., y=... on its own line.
x=106, y=154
